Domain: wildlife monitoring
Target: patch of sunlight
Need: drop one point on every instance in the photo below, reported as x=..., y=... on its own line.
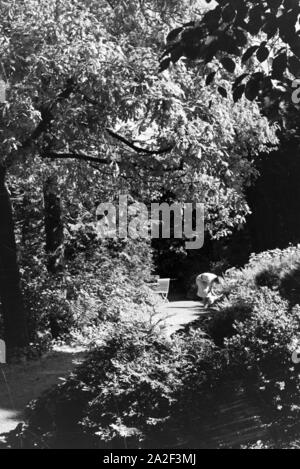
x=9, y=419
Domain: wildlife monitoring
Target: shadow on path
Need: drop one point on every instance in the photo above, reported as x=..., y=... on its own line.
x=173, y=317
x=19, y=384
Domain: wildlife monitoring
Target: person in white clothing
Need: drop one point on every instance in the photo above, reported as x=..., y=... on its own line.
x=205, y=283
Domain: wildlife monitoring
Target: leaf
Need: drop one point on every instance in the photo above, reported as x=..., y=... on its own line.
x=294, y=66
x=270, y=27
x=267, y=85
x=173, y=35
x=211, y=51
x=290, y=4
x=239, y=80
x=210, y=78
x=176, y=53
x=212, y=19
x=255, y=19
x=258, y=76
x=228, y=64
x=295, y=45
x=274, y=4
x=238, y=93
x=227, y=43
x=262, y=53
x=228, y=14
x=164, y=65
x=222, y=91
x=287, y=24
x=252, y=89
x=249, y=53
x=241, y=37
x=279, y=66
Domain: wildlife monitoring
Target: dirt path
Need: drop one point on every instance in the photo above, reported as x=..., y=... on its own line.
x=175, y=316
x=19, y=384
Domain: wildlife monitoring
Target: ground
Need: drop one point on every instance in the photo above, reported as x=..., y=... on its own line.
x=19, y=384
x=175, y=316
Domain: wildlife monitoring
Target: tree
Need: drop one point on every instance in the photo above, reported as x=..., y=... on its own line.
x=53, y=225
x=223, y=35
x=85, y=103
x=98, y=100
x=11, y=298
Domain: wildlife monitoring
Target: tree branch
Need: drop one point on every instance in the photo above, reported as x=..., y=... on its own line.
x=88, y=99
x=47, y=113
x=90, y=159
x=76, y=156
x=136, y=148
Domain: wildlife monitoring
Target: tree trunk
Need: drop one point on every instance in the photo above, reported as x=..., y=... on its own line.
x=53, y=227
x=27, y=214
x=14, y=315
x=54, y=239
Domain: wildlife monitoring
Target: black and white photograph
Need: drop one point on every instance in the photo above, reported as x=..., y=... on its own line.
x=149, y=227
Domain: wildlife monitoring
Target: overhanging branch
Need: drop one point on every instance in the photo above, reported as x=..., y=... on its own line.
x=75, y=156
x=47, y=113
x=136, y=148
x=90, y=159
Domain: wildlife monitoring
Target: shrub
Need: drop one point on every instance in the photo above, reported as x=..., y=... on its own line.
x=105, y=279
x=257, y=324
x=261, y=349
x=137, y=389
x=276, y=270
x=279, y=270
x=290, y=285
x=134, y=390
x=266, y=269
x=222, y=325
x=236, y=306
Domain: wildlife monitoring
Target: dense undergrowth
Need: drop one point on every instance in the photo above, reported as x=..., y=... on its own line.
x=138, y=389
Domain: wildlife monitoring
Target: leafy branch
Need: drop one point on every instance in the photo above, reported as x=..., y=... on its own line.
x=72, y=155
x=139, y=149
x=47, y=114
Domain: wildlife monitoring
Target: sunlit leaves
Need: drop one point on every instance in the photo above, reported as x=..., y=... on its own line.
x=243, y=31
x=117, y=85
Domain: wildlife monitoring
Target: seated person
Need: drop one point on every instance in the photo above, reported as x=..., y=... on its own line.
x=205, y=283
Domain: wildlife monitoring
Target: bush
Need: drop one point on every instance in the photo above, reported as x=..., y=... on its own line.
x=261, y=350
x=105, y=279
x=135, y=390
x=139, y=390
x=258, y=326
x=277, y=270
x=222, y=326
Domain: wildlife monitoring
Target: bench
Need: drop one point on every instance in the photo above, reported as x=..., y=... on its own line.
x=162, y=288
